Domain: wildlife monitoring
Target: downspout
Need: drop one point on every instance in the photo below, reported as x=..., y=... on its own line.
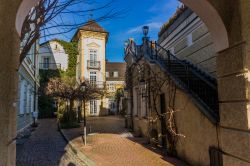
x=35, y=87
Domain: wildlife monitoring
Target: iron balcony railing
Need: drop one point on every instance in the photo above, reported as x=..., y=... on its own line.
x=98, y=84
x=49, y=66
x=94, y=64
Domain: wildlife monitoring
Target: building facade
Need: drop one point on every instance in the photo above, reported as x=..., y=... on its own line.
x=172, y=90
x=52, y=56
x=188, y=38
x=115, y=82
x=27, y=88
x=91, y=62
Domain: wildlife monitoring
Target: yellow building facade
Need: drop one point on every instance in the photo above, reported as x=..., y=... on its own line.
x=91, y=64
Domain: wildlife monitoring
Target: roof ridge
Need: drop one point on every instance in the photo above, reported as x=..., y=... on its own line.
x=92, y=25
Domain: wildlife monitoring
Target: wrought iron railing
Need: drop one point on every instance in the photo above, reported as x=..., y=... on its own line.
x=199, y=84
x=94, y=65
x=98, y=84
x=49, y=66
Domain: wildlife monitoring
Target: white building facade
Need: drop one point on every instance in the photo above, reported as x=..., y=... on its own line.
x=28, y=88
x=52, y=56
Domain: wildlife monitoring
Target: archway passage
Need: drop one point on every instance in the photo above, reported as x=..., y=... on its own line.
x=204, y=9
x=228, y=22
x=210, y=16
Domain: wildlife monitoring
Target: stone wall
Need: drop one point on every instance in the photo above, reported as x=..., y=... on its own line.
x=199, y=132
x=141, y=126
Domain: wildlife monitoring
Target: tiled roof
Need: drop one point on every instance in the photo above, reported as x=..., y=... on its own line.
x=116, y=66
x=92, y=25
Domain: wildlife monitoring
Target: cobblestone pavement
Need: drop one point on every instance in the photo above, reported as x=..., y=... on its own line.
x=46, y=147
x=110, y=144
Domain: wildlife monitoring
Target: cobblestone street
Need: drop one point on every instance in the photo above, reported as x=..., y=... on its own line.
x=46, y=147
x=109, y=143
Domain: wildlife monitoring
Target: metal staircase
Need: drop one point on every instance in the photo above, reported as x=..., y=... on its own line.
x=200, y=86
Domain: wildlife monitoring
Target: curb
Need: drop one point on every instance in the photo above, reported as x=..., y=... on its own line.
x=81, y=156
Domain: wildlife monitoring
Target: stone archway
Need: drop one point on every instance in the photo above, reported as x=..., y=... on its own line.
x=229, y=24
x=22, y=12
x=213, y=21
x=203, y=8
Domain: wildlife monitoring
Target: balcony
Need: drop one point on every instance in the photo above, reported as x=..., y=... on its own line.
x=94, y=65
x=49, y=66
x=97, y=84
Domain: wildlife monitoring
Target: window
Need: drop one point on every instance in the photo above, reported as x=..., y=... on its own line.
x=93, y=57
x=111, y=87
x=22, y=96
x=189, y=40
x=93, y=107
x=115, y=73
x=92, y=78
x=46, y=63
x=107, y=74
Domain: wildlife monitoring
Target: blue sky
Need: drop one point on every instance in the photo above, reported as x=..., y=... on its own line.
x=139, y=13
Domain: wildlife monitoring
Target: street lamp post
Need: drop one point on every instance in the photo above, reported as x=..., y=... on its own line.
x=83, y=88
x=145, y=30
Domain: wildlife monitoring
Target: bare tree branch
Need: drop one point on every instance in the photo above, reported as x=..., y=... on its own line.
x=49, y=15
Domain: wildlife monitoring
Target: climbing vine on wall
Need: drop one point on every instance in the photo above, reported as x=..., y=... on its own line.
x=45, y=103
x=72, y=51
x=155, y=81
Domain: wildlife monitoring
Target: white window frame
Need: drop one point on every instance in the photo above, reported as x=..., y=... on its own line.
x=93, y=78
x=93, y=56
x=115, y=74
x=107, y=74
x=46, y=61
x=93, y=107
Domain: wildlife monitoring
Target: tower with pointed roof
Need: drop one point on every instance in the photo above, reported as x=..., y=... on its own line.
x=91, y=66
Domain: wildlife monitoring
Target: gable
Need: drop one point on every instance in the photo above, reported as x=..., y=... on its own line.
x=93, y=44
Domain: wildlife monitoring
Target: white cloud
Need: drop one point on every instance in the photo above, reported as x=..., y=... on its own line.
x=138, y=29
x=162, y=10
x=164, y=6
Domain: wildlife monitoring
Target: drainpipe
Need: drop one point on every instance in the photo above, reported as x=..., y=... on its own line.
x=35, y=87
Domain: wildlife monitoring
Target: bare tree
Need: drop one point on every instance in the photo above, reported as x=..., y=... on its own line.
x=47, y=19
x=66, y=88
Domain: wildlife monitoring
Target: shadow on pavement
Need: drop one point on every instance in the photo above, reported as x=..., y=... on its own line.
x=109, y=142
